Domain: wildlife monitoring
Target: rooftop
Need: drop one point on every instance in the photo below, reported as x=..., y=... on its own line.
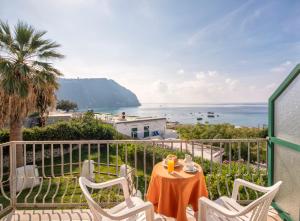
x=110, y=118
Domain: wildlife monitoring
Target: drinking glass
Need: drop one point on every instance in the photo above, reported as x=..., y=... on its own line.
x=170, y=166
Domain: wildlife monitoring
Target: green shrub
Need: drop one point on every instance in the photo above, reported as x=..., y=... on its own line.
x=228, y=131
x=84, y=128
x=219, y=131
x=219, y=178
x=4, y=135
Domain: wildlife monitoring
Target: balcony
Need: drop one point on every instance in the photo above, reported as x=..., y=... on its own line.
x=52, y=192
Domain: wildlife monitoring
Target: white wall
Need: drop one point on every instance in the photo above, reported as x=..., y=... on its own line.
x=154, y=125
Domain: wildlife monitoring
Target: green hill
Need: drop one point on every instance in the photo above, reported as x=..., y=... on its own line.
x=96, y=93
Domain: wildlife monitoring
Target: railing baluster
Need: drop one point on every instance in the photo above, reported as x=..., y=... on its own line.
x=98, y=158
x=117, y=159
x=201, y=152
x=33, y=155
x=248, y=158
x=258, y=155
x=220, y=157
x=52, y=162
x=230, y=145
x=62, y=160
x=135, y=167
x=153, y=155
x=193, y=151
x=71, y=159
x=74, y=191
x=39, y=191
x=145, y=172
x=43, y=160
x=186, y=146
x=211, y=158
x=126, y=158
x=66, y=190
x=89, y=159
x=47, y=192
x=57, y=188
x=107, y=152
x=79, y=157
x=239, y=158
x=180, y=146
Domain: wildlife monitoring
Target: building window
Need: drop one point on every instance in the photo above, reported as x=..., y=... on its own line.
x=134, y=132
x=146, y=131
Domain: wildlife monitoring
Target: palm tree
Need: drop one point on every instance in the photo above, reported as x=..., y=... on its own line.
x=25, y=71
x=44, y=100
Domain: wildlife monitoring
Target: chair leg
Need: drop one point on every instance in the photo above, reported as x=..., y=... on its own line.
x=150, y=214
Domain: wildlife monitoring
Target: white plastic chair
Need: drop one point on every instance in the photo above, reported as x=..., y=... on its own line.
x=133, y=208
x=129, y=173
x=226, y=208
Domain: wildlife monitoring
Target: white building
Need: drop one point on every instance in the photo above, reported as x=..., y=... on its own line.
x=137, y=127
x=142, y=128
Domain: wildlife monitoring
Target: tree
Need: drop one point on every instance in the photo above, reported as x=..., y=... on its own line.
x=66, y=105
x=26, y=75
x=44, y=100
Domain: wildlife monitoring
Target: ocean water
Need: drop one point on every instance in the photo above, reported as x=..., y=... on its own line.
x=252, y=115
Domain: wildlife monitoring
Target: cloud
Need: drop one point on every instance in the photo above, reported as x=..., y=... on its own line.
x=271, y=86
x=251, y=18
x=180, y=72
x=283, y=67
x=161, y=87
x=217, y=27
x=206, y=86
x=212, y=73
x=200, y=75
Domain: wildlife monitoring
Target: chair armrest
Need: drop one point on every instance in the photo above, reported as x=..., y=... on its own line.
x=146, y=206
x=205, y=203
x=240, y=182
x=121, y=180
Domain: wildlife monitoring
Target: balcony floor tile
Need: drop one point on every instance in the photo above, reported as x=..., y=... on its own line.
x=80, y=215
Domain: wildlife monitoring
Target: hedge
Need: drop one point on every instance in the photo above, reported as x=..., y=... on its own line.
x=84, y=128
x=219, y=180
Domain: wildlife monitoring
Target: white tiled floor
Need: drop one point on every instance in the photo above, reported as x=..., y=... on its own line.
x=77, y=215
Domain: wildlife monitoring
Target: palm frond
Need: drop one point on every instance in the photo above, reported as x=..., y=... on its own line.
x=27, y=78
x=49, y=45
x=6, y=38
x=50, y=54
x=23, y=34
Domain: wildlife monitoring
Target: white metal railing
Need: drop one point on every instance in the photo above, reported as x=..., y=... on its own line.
x=60, y=163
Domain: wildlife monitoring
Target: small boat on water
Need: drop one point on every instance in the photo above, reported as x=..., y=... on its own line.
x=199, y=118
x=210, y=115
x=210, y=112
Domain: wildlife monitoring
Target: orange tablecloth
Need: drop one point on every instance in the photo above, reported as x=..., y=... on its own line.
x=172, y=193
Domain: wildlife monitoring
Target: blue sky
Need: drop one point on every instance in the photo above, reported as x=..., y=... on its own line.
x=172, y=51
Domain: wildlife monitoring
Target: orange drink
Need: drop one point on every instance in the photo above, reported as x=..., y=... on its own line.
x=170, y=166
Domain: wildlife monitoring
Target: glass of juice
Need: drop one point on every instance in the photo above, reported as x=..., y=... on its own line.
x=170, y=166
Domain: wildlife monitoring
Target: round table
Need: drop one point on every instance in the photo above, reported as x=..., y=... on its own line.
x=172, y=193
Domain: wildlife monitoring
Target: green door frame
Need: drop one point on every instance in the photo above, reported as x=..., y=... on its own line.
x=275, y=140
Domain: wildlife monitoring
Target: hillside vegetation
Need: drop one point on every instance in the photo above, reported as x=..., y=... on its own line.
x=96, y=93
x=219, y=131
x=83, y=128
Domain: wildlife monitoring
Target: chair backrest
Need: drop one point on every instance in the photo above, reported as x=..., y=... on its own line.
x=87, y=170
x=259, y=208
x=128, y=172
x=95, y=208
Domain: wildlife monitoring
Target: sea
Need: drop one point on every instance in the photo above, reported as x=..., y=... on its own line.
x=238, y=114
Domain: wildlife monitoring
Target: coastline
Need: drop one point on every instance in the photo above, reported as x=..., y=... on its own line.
x=238, y=114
